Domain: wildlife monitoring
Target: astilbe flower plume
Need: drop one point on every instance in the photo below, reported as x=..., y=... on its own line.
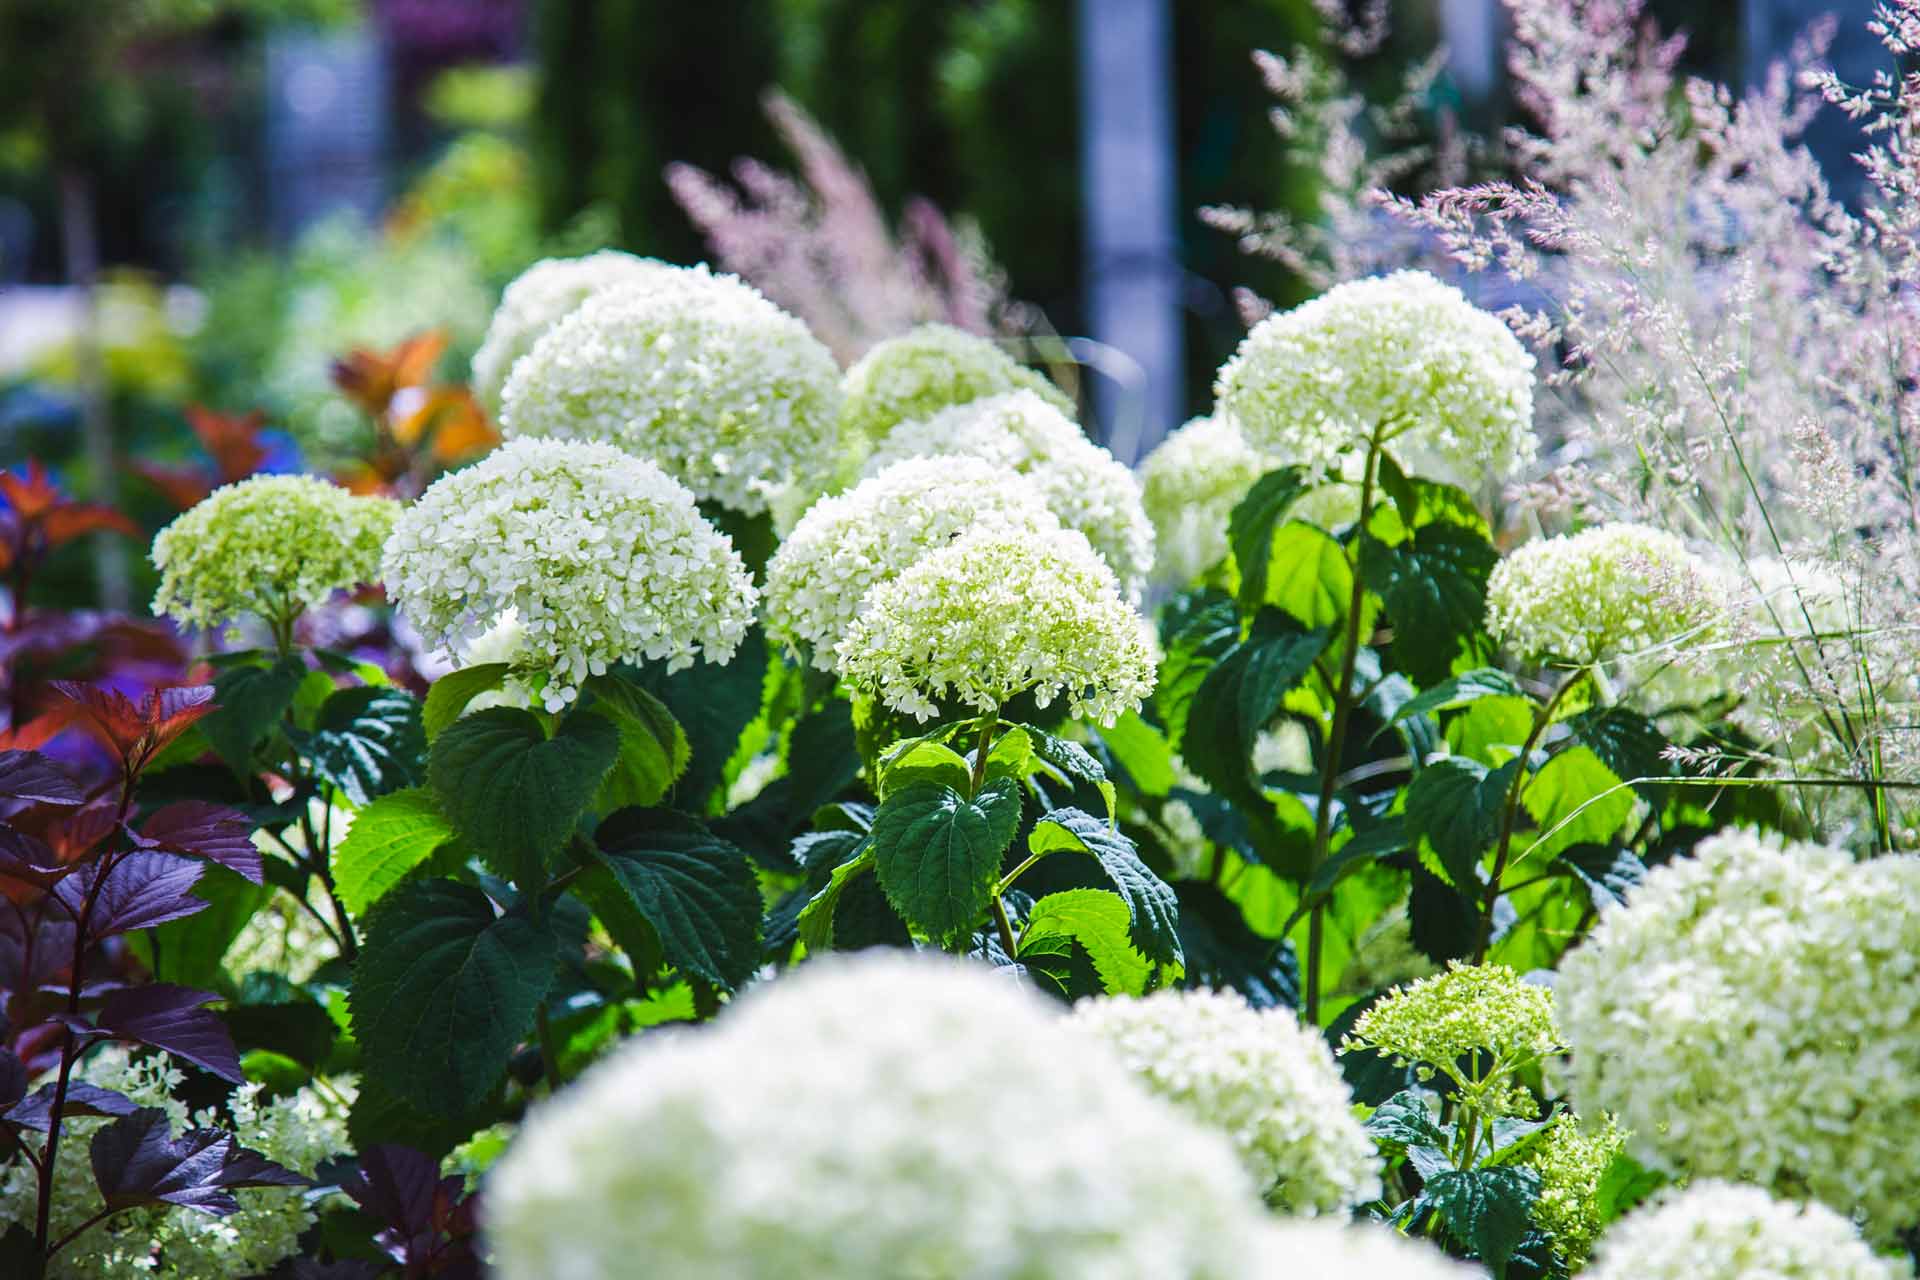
x=1750, y=1014
x=1084, y=485
x=1718, y=1231
x=875, y=1116
x=603, y=557
x=934, y=367
x=1255, y=1075
x=273, y=546
x=995, y=615
x=844, y=546
x=697, y=372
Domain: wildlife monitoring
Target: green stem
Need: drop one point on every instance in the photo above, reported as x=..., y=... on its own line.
x=1491, y=897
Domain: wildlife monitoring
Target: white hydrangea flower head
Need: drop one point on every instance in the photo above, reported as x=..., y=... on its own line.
x=928, y=369
x=868, y=1117
x=1082, y=482
x=698, y=372
x=603, y=557
x=1189, y=486
x=1720, y=1231
x=1298, y=1249
x=995, y=615
x=1609, y=591
x=268, y=545
x=539, y=297
x=1750, y=1013
x=1255, y=1075
x=818, y=580
x=1446, y=386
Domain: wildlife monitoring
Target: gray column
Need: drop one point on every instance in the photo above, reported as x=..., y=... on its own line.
x=1130, y=191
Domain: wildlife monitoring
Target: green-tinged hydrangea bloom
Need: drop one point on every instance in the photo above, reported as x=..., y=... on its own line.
x=274, y=546
x=1257, y=1076
x=1485, y=1009
x=1189, y=485
x=866, y=1118
x=1753, y=1013
x=1081, y=482
x=996, y=615
x=602, y=556
x=934, y=367
x=729, y=394
x=1600, y=594
x=1719, y=1231
x=817, y=582
x=1321, y=1250
x=1570, y=1159
x=539, y=297
x=1403, y=358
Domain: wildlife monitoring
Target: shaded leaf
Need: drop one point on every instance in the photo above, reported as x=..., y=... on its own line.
x=1434, y=590
x=1152, y=909
x=30, y=776
x=697, y=892
x=389, y=838
x=1250, y=528
x=136, y=1161
x=201, y=830
x=139, y=890
x=171, y=1018
x=1489, y=1210
x=367, y=741
x=252, y=700
x=1458, y=691
x=938, y=853
x=1457, y=805
x=513, y=793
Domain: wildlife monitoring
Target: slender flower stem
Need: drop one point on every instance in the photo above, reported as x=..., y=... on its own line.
x=1491, y=897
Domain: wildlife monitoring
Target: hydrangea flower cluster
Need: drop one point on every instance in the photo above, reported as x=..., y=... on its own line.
x=1719, y=1231
x=872, y=1116
x=1570, y=1159
x=274, y=546
x=539, y=297
x=931, y=368
x=1750, y=1013
x=817, y=582
x=1082, y=482
x=1488, y=1008
x=604, y=558
x=1321, y=1250
x=1257, y=1076
x=729, y=394
x=1404, y=359
x=995, y=615
x=1599, y=594
x=1189, y=486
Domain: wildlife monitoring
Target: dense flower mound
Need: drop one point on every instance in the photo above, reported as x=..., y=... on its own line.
x=1750, y=1013
x=539, y=297
x=1299, y=1250
x=844, y=546
x=996, y=615
x=1442, y=384
x=874, y=1116
x=934, y=367
x=1570, y=1159
x=1190, y=484
x=729, y=394
x=1257, y=1076
x=269, y=545
x=1602, y=593
x=602, y=556
x=1082, y=482
x=1718, y=1231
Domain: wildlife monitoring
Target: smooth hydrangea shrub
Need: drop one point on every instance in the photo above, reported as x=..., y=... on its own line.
x=1256, y=1075
x=818, y=580
x=995, y=615
x=1719, y=1231
x=729, y=394
x=1082, y=482
x=1320, y=1250
x=867, y=1118
x=539, y=297
x=602, y=557
x=270, y=546
x=1605, y=592
x=1402, y=361
x=1571, y=1158
x=928, y=369
x=1750, y=1014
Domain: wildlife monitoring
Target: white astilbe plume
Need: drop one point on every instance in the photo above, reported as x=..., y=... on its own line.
x=996, y=615
x=1401, y=361
x=1258, y=1077
x=602, y=557
x=934, y=367
x=818, y=580
x=698, y=372
x=1081, y=482
x=868, y=1118
x=1750, y=1013
x=543, y=294
x=1719, y=1231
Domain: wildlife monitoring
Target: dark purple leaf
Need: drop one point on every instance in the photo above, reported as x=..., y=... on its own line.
x=52, y=953
x=27, y=860
x=136, y=1161
x=202, y=830
x=169, y=1017
x=36, y=1110
x=28, y=775
x=349, y=1269
x=13, y=1078
x=142, y=889
x=395, y=1185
